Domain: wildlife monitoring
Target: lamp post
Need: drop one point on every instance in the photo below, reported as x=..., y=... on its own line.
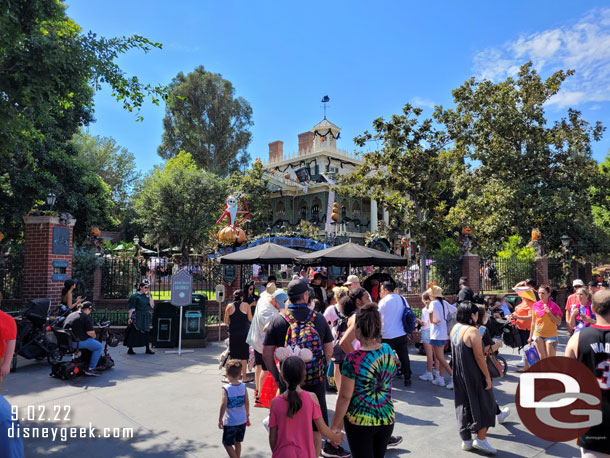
x=51, y=198
x=136, y=242
x=565, y=241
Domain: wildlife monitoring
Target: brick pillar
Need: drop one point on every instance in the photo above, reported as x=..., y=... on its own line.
x=48, y=257
x=97, y=284
x=470, y=269
x=542, y=271
x=234, y=285
x=588, y=273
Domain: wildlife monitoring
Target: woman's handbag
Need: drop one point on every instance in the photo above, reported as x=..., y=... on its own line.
x=493, y=366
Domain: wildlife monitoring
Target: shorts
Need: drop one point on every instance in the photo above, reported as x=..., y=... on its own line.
x=550, y=340
x=232, y=434
x=258, y=360
x=425, y=335
x=438, y=343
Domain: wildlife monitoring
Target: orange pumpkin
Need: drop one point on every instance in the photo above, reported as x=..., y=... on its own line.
x=287, y=176
x=536, y=235
x=95, y=231
x=466, y=230
x=240, y=235
x=226, y=235
x=334, y=216
x=336, y=205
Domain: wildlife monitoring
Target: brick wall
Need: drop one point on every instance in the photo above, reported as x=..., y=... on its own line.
x=39, y=257
x=470, y=269
x=276, y=151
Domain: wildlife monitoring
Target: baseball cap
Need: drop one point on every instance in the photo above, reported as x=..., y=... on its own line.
x=297, y=287
x=281, y=297
x=270, y=288
x=578, y=282
x=352, y=279
x=86, y=305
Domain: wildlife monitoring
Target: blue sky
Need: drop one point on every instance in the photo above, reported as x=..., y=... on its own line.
x=369, y=57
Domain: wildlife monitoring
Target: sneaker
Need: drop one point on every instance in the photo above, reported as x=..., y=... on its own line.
x=427, y=377
x=330, y=451
x=131, y=352
x=440, y=381
x=521, y=363
x=395, y=441
x=484, y=446
x=466, y=445
x=504, y=412
x=92, y=373
x=450, y=384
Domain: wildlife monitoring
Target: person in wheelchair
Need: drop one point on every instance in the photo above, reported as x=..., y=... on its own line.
x=81, y=325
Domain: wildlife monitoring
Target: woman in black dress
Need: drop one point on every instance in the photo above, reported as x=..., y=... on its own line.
x=137, y=333
x=250, y=296
x=475, y=405
x=238, y=316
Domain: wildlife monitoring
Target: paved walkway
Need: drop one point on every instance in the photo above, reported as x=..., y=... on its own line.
x=172, y=403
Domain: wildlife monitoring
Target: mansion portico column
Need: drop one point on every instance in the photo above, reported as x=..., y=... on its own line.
x=373, y=215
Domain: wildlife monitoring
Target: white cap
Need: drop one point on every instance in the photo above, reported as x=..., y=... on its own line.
x=352, y=279
x=578, y=282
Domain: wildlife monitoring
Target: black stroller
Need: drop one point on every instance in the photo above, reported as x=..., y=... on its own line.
x=35, y=336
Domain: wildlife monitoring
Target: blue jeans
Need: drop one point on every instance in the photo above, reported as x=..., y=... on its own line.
x=95, y=346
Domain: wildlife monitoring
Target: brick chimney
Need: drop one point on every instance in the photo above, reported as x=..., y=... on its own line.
x=305, y=143
x=276, y=151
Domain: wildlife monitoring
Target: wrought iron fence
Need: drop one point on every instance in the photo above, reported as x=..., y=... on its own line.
x=557, y=275
x=445, y=271
x=503, y=274
x=11, y=277
x=120, y=277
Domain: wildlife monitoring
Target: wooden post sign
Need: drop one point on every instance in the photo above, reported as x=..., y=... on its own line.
x=182, y=289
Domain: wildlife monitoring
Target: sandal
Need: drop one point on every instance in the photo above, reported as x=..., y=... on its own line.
x=248, y=380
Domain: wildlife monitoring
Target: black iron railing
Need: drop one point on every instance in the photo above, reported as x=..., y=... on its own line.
x=503, y=274
x=11, y=277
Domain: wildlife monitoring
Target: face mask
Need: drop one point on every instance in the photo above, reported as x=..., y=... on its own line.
x=311, y=305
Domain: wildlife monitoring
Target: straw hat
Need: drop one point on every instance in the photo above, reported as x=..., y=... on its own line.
x=271, y=288
x=434, y=290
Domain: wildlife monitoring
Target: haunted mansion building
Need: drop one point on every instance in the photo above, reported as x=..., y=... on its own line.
x=300, y=185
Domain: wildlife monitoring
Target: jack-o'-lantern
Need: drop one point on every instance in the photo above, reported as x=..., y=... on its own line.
x=240, y=235
x=95, y=231
x=334, y=216
x=536, y=235
x=466, y=230
x=287, y=176
x=226, y=235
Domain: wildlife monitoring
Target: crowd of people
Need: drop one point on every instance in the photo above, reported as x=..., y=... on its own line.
x=356, y=336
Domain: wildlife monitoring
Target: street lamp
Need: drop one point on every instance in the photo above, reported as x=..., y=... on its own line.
x=565, y=241
x=136, y=240
x=51, y=197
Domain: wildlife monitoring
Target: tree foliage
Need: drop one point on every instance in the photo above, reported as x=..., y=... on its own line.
x=178, y=204
x=49, y=71
x=522, y=171
x=409, y=175
x=601, y=209
x=255, y=188
x=514, y=249
x=207, y=121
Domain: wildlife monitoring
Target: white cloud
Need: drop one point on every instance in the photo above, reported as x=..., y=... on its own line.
x=583, y=46
x=422, y=102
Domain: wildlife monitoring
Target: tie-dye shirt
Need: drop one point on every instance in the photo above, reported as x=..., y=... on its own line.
x=372, y=370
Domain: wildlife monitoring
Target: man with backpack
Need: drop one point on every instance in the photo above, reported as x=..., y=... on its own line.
x=300, y=326
x=391, y=308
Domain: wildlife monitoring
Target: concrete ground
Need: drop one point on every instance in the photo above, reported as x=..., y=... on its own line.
x=172, y=402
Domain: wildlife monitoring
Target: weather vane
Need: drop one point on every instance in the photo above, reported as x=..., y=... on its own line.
x=325, y=100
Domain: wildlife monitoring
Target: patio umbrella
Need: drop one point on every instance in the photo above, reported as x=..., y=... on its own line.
x=350, y=254
x=265, y=253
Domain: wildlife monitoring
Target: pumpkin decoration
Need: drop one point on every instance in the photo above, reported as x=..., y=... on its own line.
x=334, y=216
x=1, y=236
x=336, y=205
x=95, y=231
x=466, y=230
x=240, y=235
x=287, y=176
x=226, y=235
x=536, y=235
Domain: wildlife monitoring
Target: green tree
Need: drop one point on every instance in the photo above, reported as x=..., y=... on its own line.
x=254, y=186
x=521, y=171
x=179, y=204
x=207, y=121
x=601, y=211
x=49, y=71
x=409, y=176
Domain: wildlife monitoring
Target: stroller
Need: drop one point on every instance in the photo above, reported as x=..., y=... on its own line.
x=35, y=336
x=68, y=370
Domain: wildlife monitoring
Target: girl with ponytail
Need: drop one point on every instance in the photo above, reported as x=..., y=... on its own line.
x=292, y=413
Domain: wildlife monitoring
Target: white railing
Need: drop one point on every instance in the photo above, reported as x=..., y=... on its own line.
x=289, y=156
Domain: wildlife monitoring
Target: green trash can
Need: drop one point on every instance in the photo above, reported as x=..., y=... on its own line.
x=194, y=332
x=165, y=325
